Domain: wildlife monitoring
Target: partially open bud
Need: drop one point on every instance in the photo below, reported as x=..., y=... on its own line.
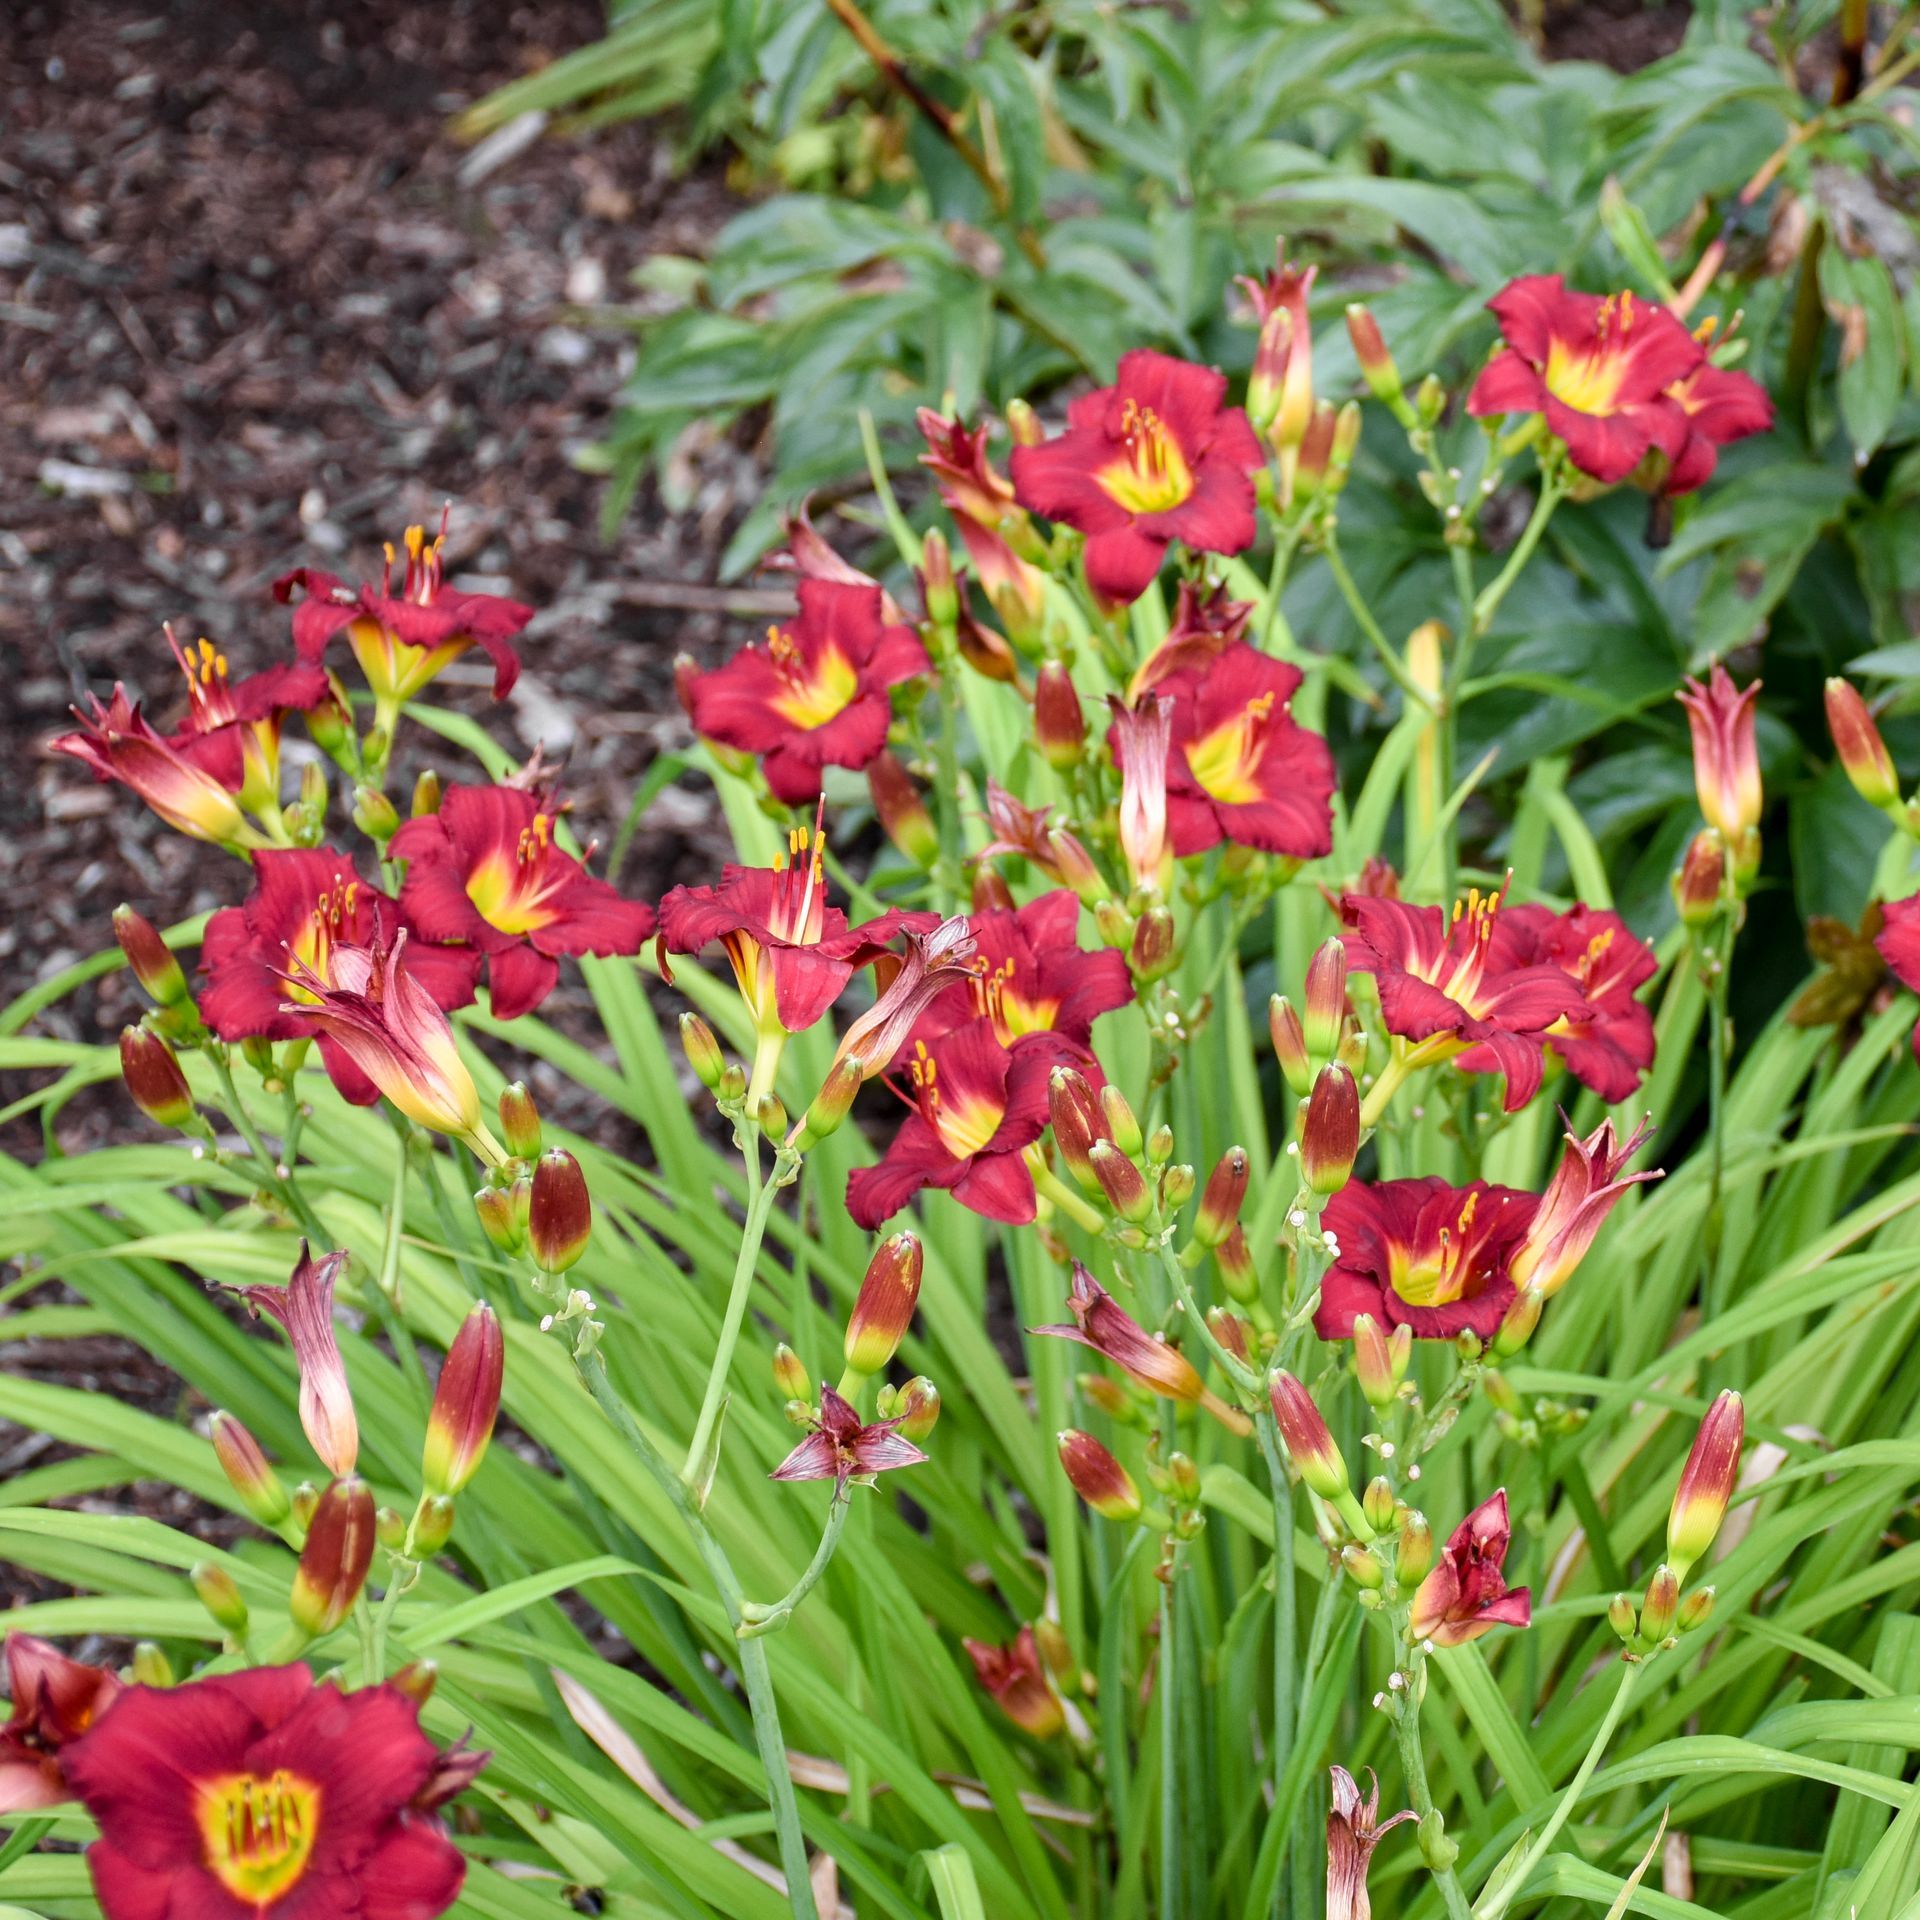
x=1098, y=1478
x=1234, y=1258
x=702, y=1051
x=1413, y=1556
x=1077, y=1123
x=1120, y=1126
x=1121, y=1181
x=831, y=1105
x=1862, y=751
x=1701, y=881
x=884, y=1309
x=153, y=962
x=1706, y=1482
x=559, y=1212
x=466, y=1403
x=1661, y=1605
x=1220, y=1202
x=333, y=1563
x=503, y=1215
x=1151, y=953
x=1326, y=1000
x=917, y=1408
x=790, y=1378
x=221, y=1598
x=1380, y=1359
x=901, y=811
x=1059, y=720
x=247, y=1471
x=1330, y=1131
x=519, y=1122
x=1290, y=1045
x=1309, y=1444
x=153, y=1077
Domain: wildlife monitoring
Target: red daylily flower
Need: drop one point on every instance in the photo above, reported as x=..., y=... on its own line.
x=1031, y=975
x=974, y=492
x=1206, y=622
x=791, y=953
x=1158, y=456
x=1465, y=1595
x=809, y=554
x=304, y=1307
x=1610, y=1046
x=1600, y=370
x=977, y=1108
x=1423, y=1255
x=260, y=1796
x=305, y=902
x=1462, y=987
x=55, y=1700
x=193, y=783
x=484, y=872
x=843, y=1448
x=250, y=710
x=1239, y=768
x=1586, y=1186
x=816, y=694
x=402, y=640
x=1019, y=1685
x=1898, y=943
x=1720, y=406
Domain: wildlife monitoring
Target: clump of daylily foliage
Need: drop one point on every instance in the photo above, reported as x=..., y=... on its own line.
x=1315, y=1452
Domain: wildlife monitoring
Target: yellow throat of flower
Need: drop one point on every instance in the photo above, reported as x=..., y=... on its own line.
x=510, y=894
x=1152, y=474
x=965, y=1126
x=810, y=697
x=258, y=1834
x=1445, y=1277
x=1226, y=762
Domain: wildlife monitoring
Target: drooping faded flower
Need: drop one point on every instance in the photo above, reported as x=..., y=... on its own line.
x=1354, y=1829
x=1466, y=1594
x=843, y=1447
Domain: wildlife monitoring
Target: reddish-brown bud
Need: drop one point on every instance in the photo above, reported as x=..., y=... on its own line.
x=1706, y=1482
x=1077, y=1123
x=153, y=962
x=1290, y=1045
x=153, y=1077
x=1230, y=1330
x=1862, y=752
x=1121, y=1181
x=1699, y=886
x=247, y=1471
x=1660, y=1606
x=1326, y=1001
x=901, y=811
x=1330, y=1131
x=1376, y=363
x=1098, y=1478
x=466, y=1402
x=1059, y=720
x=519, y=1121
x=334, y=1561
x=917, y=1408
x=1220, y=1202
x=884, y=1309
x=1237, y=1273
x=559, y=1213
x=1309, y=1444
x=1151, y=953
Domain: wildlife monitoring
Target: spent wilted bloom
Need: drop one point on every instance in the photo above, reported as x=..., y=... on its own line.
x=1354, y=1829
x=304, y=1307
x=54, y=1702
x=843, y=1447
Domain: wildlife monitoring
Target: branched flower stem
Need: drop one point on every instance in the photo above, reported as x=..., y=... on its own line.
x=758, y=1618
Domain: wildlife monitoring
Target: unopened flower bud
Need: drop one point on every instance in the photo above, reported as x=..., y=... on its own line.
x=884, y=1309
x=519, y=1122
x=902, y=813
x=1316, y=451
x=1229, y=1329
x=1330, y=1131
x=559, y=1212
x=466, y=1403
x=1121, y=1181
x=1326, y=1000
x=150, y=1666
x=1701, y=882
x=417, y=1680
x=247, y=1471
x=1023, y=424
x=1346, y=441
x=1234, y=1258
x=1115, y=923
x=153, y=1077
x=426, y=795
x=1222, y=1199
x=1077, y=1123
x=919, y=1404
x=1376, y=364
x=503, y=1217
x=1500, y=1391
x=1290, y=1045
x=936, y=579
x=1706, y=1482
x=1623, y=1617
x=1309, y=1444
x=334, y=1561
x=1363, y=1567
x=1159, y=1147
x=702, y=1051
x=1098, y=1478
x=374, y=814
x=330, y=722
x=154, y=964
x=1108, y=1395
x=770, y=1116
x=1120, y=1125
x=1377, y=1503
x=1430, y=400
x=1380, y=1359
x=831, y=1105
x=304, y=1499
x=221, y=1598
x=1517, y=1325
x=1413, y=1556
x=1437, y=1848
x=790, y=1378
x=1862, y=751
x=257, y=1052
x=1176, y=1187
x=432, y=1524
x=1059, y=720
x=1695, y=1610
x=1661, y=1605
x=1151, y=953
x=389, y=1529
